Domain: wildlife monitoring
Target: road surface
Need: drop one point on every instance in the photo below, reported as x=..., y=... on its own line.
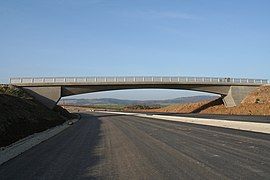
x=109, y=146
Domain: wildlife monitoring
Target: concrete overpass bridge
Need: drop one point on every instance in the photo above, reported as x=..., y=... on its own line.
x=49, y=90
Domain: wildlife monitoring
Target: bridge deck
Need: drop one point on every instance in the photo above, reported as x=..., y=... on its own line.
x=137, y=80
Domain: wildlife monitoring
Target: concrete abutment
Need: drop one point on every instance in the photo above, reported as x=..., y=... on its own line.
x=48, y=96
x=236, y=95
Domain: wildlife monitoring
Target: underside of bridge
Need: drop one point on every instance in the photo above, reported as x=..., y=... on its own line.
x=50, y=95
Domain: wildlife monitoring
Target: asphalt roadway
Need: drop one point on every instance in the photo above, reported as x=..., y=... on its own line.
x=110, y=146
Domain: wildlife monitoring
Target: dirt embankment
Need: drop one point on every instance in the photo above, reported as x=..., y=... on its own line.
x=21, y=115
x=256, y=103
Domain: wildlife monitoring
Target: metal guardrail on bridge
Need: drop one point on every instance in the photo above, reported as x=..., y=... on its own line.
x=146, y=79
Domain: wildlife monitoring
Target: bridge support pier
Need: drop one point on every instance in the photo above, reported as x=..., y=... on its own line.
x=236, y=95
x=48, y=96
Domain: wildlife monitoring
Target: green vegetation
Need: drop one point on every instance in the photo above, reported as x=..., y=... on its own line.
x=13, y=91
x=116, y=107
x=142, y=107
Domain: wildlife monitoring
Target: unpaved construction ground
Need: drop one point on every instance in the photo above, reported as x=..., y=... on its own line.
x=256, y=103
x=110, y=146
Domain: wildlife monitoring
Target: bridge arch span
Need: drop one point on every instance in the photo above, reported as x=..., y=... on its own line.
x=71, y=90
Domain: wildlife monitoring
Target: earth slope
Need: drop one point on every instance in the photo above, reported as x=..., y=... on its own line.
x=21, y=115
x=256, y=103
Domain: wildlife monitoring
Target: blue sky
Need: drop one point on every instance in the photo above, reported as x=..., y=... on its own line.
x=144, y=37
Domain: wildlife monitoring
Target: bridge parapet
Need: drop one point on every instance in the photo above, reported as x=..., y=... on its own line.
x=137, y=79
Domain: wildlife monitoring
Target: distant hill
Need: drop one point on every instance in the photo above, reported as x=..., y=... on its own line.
x=101, y=101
